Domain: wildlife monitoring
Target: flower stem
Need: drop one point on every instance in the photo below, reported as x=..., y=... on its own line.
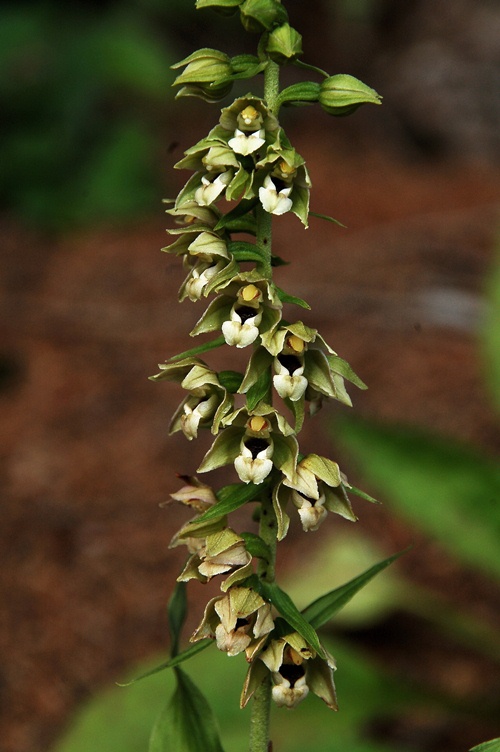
x=259, y=722
x=261, y=706
x=264, y=219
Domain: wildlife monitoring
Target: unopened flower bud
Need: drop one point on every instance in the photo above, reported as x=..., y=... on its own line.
x=284, y=44
x=343, y=94
x=262, y=15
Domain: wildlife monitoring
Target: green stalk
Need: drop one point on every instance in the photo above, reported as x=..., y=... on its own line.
x=261, y=705
x=264, y=219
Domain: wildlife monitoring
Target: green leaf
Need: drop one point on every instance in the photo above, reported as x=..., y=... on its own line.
x=327, y=218
x=287, y=608
x=286, y=298
x=217, y=342
x=298, y=411
x=243, y=251
x=177, y=607
x=232, y=497
x=244, y=207
x=256, y=546
x=187, y=723
x=492, y=746
x=172, y=662
x=305, y=91
x=445, y=489
x=322, y=609
x=361, y=494
x=230, y=380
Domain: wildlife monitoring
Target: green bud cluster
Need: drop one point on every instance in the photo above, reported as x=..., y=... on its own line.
x=247, y=165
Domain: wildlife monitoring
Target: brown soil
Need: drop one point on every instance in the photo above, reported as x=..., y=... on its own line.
x=85, y=456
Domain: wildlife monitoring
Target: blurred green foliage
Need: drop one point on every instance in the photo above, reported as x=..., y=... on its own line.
x=81, y=89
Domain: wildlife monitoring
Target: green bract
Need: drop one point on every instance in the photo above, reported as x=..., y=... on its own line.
x=284, y=44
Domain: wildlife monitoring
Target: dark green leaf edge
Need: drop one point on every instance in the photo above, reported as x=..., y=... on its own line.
x=238, y=495
x=327, y=218
x=287, y=608
x=492, y=746
x=212, y=345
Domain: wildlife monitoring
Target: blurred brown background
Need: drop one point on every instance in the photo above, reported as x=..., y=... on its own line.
x=89, y=307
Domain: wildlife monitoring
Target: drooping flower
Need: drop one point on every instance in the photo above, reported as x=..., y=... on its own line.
x=239, y=621
x=219, y=552
x=244, y=144
x=210, y=190
x=295, y=670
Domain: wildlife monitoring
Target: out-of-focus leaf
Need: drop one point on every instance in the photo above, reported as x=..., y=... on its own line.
x=172, y=662
x=492, y=746
x=177, y=607
x=491, y=331
x=322, y=609
x=445, y=489
x=187, y=723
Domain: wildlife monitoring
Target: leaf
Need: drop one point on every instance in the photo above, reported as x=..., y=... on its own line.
x=256, y=546
x=287, y=608
x=177, y=607
x=187, y=723
x=445, y=489
x=361, y=494
x=230, y=380
x=214, y=343
x=232, y=497
x=492, y=746
x=243, y=251
x=322, y=609
x=172, y=662
x=286, y=298
x=327, y=218
x=244, y=207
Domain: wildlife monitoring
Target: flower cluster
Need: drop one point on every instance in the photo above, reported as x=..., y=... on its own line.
x=244, y=172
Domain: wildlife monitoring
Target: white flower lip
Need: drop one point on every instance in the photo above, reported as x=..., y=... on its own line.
x=273, y=201
x=251, y=466
x=241, y=334
x=209, y=191
x=245, y=144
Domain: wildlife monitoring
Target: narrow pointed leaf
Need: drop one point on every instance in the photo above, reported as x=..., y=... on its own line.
x=230, y=498
x=322, y=609
x=342, y=367
x=287, y=608
x=259, y=391
x=177, y=607
x=286, y=298
x=327, y=218
x=172, y=662
x=212, y=345
x=187, y=723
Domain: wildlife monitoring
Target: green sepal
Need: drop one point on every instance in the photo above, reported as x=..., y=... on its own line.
x=287, y=298
x=230, y=380
x=284, y=44
x=187, y=723
x=304, y=92
x=342, y=367
x=318, y=374
x=287, y=608
x=327, y=218
x=256, y=546
x=321, y=610
x=199, y=349
x=172, y=662
x=244, y=251
x=232, y=497
x=300, y=203
x=223, y=451
x=286, y=449
x=260, y=360
x=260, y=391
x=238, y=185
x=222, y=278
x=217, y=312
